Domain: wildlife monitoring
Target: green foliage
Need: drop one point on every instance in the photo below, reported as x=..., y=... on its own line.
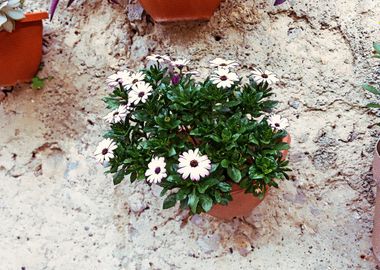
x=189, y=115
x=39, y=83
x=370, y=88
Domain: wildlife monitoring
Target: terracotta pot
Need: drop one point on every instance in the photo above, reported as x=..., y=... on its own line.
x=21, y=50
x=242, y=203
x=376, y=226
x=180, y=10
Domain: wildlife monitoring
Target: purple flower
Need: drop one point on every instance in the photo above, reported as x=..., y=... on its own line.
x=279, y=2
x=176, y=79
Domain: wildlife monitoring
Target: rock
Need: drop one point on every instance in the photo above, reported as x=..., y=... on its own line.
x=209, y=244
x=135, y=12
x=294, y=104
x=136, y=203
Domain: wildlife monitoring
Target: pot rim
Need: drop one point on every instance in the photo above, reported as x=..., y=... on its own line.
x=35, y=16
x=377, y=154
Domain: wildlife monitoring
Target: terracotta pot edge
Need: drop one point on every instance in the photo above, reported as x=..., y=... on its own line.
x=377, y=154
x=35, y=16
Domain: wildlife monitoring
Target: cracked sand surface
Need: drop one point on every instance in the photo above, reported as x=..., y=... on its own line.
x=60, y=212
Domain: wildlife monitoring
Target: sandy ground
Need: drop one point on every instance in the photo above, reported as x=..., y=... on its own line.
x=59, y=211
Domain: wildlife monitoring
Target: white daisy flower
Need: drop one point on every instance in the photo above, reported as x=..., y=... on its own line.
x=104, y=151
x=192, y=164
x=117, y=115
x=191, y=73
x=180, y=63
x=133, y=79
x=261, y=77
x=158, y=58
x=223, y=63
x=223, y=78
x=277, y=122
x=156, y=170
x=139, y=93
x=118, y=78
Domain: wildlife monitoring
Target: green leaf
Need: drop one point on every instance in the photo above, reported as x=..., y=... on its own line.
x=226, y=135
x=38, y=83
x=118, y=177
x=282, y=146
x=371, y=89
x=254, y=174
x=172, y=152
x=376, y=46
x=373, y=105
x=206, y=203
x=234, y=173
x=193, y=202
x=224, y=163
x=170, y=201
x=224, y=187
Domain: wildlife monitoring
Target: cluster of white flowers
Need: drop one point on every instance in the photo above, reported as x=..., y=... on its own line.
x=223, y=77
x=192, y=164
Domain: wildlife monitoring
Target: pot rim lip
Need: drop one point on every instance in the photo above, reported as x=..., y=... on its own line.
x=35, y=16
x=377, y=154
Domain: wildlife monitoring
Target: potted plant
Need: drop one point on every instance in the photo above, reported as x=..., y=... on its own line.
x=210, y=143
x=21, y=43
x=183, y=10
x=376, y=168
x=169, y=10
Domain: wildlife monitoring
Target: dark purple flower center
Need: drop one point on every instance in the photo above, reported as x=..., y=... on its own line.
x=223, y=65
x=277, y=125
x=194, y=163
x=104, y=151
x=115, y=113
x=265, y=76
x=135, y=81
x=223, y=78
x=157, y=170
x=141, y=94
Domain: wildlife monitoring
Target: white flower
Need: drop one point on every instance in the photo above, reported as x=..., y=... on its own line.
x=277, y=122
x=118, y=78
x=158, y=58
x=156, y=170
x=191, y=73
x=104, y=151
x=140, y=92
x=192, y=164
x=133, y=79
x=259, y=76
x=180, y=63
x=117, y=115
x=223, y=78
x=249, y=116
x=223, y=63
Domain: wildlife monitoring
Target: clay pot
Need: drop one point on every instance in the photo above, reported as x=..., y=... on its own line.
x=21, y=50
x=242, y=203
x=376, y=226
x=180, y=10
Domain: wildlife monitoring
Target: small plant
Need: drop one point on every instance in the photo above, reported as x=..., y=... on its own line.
x=194, y=137
x=10, y=11
x=372, y=88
